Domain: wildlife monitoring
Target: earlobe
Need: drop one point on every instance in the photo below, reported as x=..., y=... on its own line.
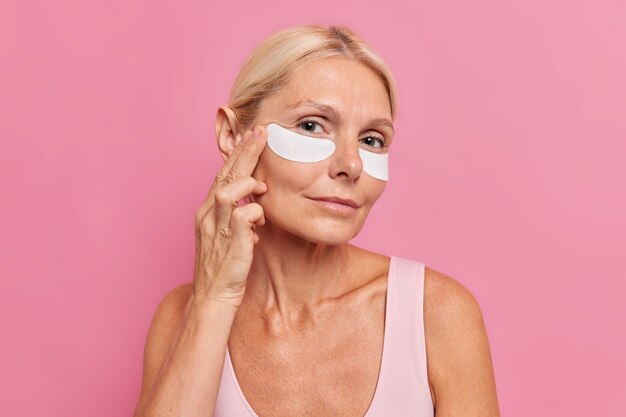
x=226, y=133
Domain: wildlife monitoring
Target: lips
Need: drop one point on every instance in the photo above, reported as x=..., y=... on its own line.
x=335, y=199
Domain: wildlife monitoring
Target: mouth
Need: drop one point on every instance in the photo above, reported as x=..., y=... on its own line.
x=336, y=204
x=337, y=200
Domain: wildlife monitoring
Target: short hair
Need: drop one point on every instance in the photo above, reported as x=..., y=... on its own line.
x=270, y=64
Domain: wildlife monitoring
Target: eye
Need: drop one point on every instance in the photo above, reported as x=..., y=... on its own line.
x=309, y=126
x=370, y=140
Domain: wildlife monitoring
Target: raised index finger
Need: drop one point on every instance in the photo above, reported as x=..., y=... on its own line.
x=248, y=158
x=225, y=169
x=241, y=163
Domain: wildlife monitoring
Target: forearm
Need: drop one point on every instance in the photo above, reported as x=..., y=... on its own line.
x=188, y=381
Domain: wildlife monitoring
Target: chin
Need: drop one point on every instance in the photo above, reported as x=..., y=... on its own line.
x=329, y=240
x=320, y=231
x=326, y=232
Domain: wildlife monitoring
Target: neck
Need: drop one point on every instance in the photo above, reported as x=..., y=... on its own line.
x=293, y=276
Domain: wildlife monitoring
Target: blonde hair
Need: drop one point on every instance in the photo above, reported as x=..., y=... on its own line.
x=268, y=68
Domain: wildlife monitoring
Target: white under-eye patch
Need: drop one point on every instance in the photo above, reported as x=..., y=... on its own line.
x=301, y=148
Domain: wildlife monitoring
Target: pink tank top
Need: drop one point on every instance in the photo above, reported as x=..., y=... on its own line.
x=402, y=387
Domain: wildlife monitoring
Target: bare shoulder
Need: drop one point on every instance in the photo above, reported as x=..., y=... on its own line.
x=446, y=298
x=167, y=317
x=172, y=305
x=460, y=370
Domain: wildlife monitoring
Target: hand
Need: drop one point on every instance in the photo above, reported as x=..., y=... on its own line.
x=225, y=235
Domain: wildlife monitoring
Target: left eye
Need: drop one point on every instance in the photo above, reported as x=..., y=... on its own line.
x=309, y=126
x=370, y=140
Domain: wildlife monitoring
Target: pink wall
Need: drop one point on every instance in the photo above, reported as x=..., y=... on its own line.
x=507, y=174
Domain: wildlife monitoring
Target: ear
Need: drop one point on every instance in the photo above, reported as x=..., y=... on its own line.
x=226, y=132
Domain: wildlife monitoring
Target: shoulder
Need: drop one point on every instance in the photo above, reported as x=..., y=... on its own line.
x=446, y=300
x=453, y=319
x=460, y=371
x=169, y=312
x=175, y=300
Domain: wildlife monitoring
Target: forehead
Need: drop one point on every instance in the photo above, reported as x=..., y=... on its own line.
x=347, y=85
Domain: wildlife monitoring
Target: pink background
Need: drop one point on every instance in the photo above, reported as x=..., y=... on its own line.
x=507, y=173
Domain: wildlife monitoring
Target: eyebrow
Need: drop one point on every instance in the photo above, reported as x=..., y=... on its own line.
x=334, y=113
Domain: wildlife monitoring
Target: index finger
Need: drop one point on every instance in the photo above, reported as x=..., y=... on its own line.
x=241, y=163
x=222, y=174
x=246, y=161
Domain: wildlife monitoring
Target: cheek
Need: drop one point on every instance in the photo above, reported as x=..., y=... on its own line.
x=284, y=174
x=287, y=182
x=375, y=191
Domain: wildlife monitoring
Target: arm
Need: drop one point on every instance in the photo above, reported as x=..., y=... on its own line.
x=460, y=369
x=184, y=356
x=186, y=343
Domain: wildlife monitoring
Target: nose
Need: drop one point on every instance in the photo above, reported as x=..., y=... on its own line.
x=346, y=161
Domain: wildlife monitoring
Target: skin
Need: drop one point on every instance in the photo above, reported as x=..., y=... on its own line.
x=312, y=300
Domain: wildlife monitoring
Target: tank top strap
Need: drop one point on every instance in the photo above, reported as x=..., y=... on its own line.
x=404, y=385
x=406, y=305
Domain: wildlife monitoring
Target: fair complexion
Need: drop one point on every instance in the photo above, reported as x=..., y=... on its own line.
x=302, y=245
x=309, y=291
x=313, y=301
x=293, y=288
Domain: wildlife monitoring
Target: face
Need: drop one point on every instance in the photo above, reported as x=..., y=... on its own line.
x=331, y=98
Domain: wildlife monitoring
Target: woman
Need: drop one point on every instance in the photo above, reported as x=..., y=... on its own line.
x=284, y=317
